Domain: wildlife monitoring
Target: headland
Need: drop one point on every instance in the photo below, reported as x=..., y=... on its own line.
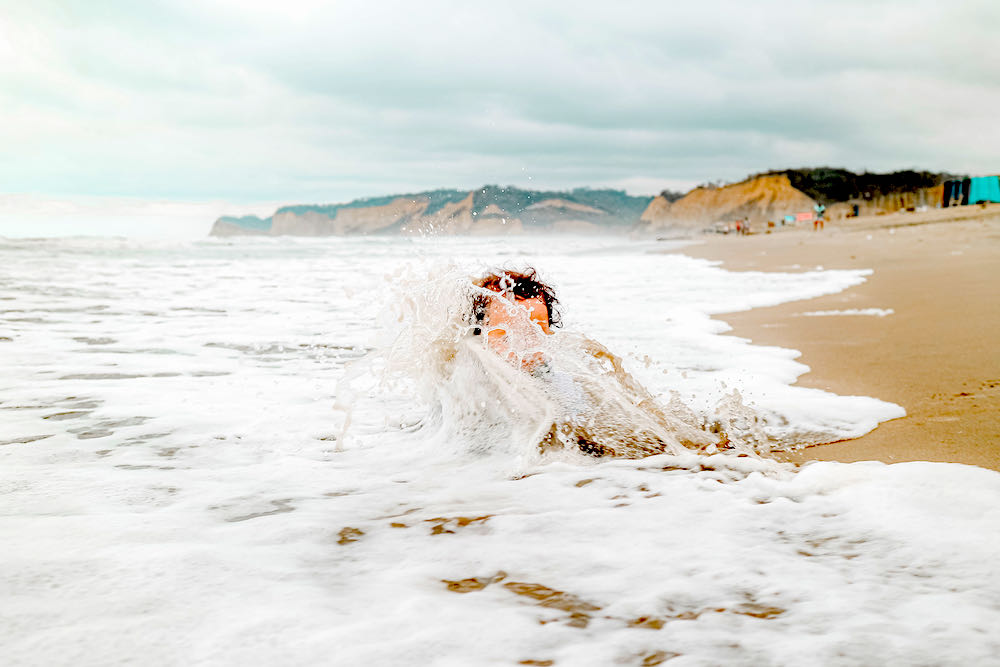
x=763, y=200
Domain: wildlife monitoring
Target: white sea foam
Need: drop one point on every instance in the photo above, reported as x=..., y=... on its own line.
x=173, y=491
x=871, y=312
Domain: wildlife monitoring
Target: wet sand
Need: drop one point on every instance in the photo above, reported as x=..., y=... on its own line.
x=937, y=355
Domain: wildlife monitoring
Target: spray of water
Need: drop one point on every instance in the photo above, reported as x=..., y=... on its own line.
x=526, y=395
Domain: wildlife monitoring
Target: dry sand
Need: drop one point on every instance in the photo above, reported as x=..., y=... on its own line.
x=937, y=355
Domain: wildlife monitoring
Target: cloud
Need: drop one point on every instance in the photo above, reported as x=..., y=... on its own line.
x=39, y=216
x=316, y=101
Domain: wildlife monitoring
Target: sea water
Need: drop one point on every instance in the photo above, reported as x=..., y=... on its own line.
x=228, y=452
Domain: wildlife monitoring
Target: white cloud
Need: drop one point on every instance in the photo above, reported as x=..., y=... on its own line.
x=317, y=101
x=37, y=216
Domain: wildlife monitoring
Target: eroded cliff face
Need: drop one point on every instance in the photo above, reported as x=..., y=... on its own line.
x=309, y=223
x=361, y=220
x=762, y=199
x=493, y=209
x=223, y=227
x=658, y=209
x=485, y=211
x=563, y=205
x=462, y=218
x=248, y=225
x=452, y=218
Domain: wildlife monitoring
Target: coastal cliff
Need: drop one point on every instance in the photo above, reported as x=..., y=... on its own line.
x=757, y=199
x=492, y=209
x=487, y=210
x=247, y=225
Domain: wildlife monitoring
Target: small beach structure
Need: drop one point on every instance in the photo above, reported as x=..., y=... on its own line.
x=971, y=191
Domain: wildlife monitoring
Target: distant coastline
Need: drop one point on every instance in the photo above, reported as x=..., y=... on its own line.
x=760, y=201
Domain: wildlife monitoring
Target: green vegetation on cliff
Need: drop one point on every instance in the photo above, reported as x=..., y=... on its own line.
x=613, y=206
x=438, y=199
x=829, y=185
x=672, y=195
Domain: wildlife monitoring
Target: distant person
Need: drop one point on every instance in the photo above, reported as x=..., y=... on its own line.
x=820, y=214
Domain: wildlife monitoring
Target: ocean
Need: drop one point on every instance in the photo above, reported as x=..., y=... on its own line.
x=273, y=451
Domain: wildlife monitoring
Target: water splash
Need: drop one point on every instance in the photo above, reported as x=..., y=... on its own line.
x=535, y=396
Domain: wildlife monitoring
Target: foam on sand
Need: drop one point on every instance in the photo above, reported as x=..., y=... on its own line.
x=871, y=312
x=173, y=489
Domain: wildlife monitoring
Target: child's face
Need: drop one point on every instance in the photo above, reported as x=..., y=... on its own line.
x=512, y=329
x=501, y=316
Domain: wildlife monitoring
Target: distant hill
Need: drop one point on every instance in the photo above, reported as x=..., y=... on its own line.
x=757, y=199
x=247, y=225
x=486, y=210
x=492, y=209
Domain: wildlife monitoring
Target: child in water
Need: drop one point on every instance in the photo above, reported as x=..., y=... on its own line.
x=514, y=320
x=600, y=408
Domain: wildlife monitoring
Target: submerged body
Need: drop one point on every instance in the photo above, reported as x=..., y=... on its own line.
x=609, y=413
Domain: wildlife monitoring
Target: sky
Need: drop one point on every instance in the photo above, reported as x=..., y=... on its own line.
x=119, y=116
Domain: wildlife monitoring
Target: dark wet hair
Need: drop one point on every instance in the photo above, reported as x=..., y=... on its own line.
x=519, y=284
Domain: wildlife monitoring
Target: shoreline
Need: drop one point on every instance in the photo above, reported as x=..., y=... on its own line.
x=935, y=354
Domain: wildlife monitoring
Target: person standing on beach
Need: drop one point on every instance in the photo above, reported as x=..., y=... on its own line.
x=820, y=212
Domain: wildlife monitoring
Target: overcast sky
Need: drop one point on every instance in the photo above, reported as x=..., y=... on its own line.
x=240, y=105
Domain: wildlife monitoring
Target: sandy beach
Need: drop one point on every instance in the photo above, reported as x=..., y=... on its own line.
x=936, y=354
